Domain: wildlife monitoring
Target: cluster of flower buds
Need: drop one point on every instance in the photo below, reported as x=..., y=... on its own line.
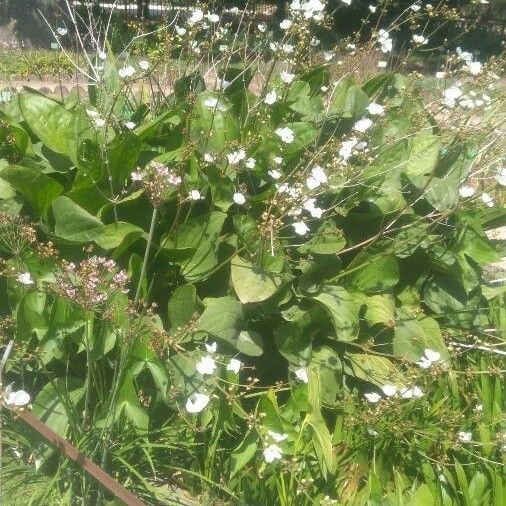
x=15, y=234
x=157, y=180
x=91, y=283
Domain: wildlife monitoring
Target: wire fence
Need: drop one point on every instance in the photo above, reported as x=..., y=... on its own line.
x=21, y=21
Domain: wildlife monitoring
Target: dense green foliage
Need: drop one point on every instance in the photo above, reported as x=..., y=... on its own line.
x=269, y=292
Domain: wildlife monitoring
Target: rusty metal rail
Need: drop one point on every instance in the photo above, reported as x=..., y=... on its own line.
x=79, y=458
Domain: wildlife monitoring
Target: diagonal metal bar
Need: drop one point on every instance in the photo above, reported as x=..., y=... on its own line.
x=79, y=458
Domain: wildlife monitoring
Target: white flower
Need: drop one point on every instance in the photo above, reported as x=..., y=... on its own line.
x=61, y=31
x=319, y=174
x=385, y=41
x=382, y=64
x=372, y=432
x=239, y=198
x=130, y=125
x=375, y=109
x=99, y=122
x=466, y=191
x=309, y=205
x=285, y=24
x=429, y=357
x=314, y=41
x=102, y=55
x=420, y=39
x=328, y=55
x=287, y=77
x=316, y=178
x=301, y=375
x=136, y=176
x=474, y=67
x=275, y=174
x=270, y=98
x=372, y=8
x=212, y=103
x=127, y=71
x=500, y=177
x=234, y=365
x=362, y=125
x=236, y=156
x=277, y=160
x=213, y=18
x=389, y=390
x=272, y=453
x=144, y=64
x=432, y=355
x=372, y=397
x=195, y=195
x=197, y=402
x=487, y=199
x=440, y=75
x=208, y=158
x=415, y=7
x=300, y=228
x=285, y=134
x=262, y=27
x=478, y=407
x=206, y=365
x=287, y=48
x=180, y=30
x=464, y=55
x=277, y=436
x=18, y=398
x=408, y=393
x=347, y=2
x=25, y=278
x=174, y=179
x=196, y=16
x=351, y=46
x=250, y=163
x=450, y=95
x=211, y=348
x=465, y=437
x=347, y=148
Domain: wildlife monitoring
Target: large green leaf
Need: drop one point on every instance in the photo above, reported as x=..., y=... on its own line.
x=122, y=155
x=322, y=440
x=221, y=318
x=251, y=283
x=374, y=273
x=343, y=308
x=37, y=188
x=372, y=368
x=413, y=335
x=250, y=343
x=129, y=405
x=59, y=129
x=197, y=243
x=447, y=298
x=113, y=234
x=380, y=309
x=330, y=369
x=73, y=223
x=348, y=100
x=182, y=306
x=54, y=403
x=244, y=452
x=212, y=128
x=423, y=154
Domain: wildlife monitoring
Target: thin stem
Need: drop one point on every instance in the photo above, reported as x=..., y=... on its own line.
x=87, y=343
x=146, y=255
